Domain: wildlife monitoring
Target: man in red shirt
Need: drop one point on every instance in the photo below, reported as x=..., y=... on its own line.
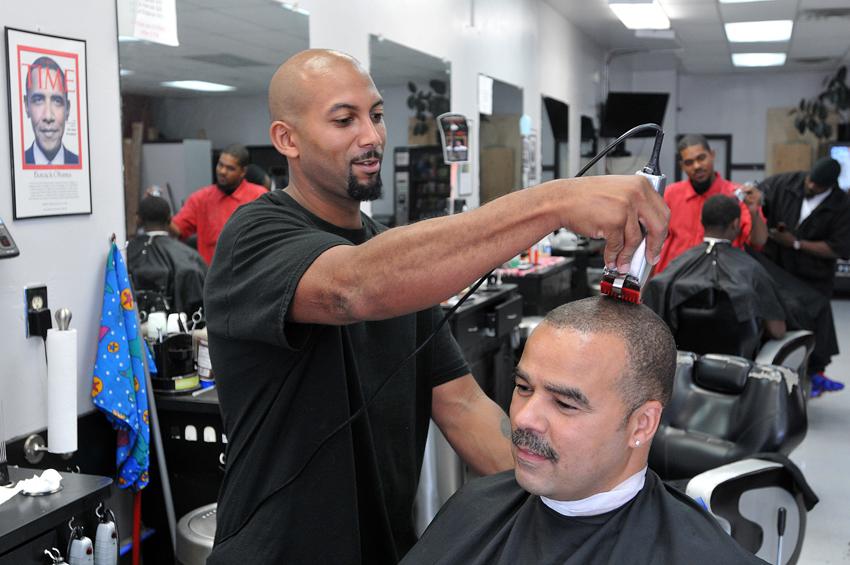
x=208, y=209
x=686, y=198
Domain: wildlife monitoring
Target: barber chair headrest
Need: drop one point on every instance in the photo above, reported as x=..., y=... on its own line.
x=722, y=373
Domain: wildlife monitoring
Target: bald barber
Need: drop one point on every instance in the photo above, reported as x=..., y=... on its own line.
x=314, y=310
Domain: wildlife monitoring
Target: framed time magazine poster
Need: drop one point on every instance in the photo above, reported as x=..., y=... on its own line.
x=49, y=128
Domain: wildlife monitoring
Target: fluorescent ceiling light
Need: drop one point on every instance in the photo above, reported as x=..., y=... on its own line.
x=293, y=7
x=640, y=15
x=126, y=72
x=127, y=38
x=758, y=59
x=750, y=32
x=200, y=85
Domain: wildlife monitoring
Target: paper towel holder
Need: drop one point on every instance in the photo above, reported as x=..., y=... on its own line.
x=35, y=448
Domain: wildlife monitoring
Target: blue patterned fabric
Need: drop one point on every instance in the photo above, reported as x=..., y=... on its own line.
x=118, y=382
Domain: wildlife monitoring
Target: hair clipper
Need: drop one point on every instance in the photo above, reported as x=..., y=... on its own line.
x=627, y=286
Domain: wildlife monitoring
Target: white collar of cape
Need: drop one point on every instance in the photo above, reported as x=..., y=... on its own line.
x=601, y=502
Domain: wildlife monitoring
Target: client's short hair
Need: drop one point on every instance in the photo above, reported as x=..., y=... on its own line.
x=650, y=347
x=720, y=211
x=154, y=210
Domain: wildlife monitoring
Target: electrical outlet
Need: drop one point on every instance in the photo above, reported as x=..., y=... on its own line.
x=35, y=300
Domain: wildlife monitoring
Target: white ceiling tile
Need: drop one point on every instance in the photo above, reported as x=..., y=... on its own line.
x=757, y=11
x=813, y=4
x=703, y=12
x=693, y=33
x=832, y=28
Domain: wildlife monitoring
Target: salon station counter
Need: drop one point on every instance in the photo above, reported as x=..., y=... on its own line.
x=31, y=524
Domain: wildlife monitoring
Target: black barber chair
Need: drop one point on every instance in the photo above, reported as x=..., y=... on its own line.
x=707, y=324
x=725, y=408
x=723, y=439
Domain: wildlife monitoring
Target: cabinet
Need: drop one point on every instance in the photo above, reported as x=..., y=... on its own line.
x=31, y=524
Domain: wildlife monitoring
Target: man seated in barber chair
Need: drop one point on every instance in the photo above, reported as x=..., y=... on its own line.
x=590, y=389
x=720, y=299
x=714, y=271
x=167, y=275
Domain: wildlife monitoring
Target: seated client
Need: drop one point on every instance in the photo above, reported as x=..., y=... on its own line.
x=590, y=387
x=716, y=264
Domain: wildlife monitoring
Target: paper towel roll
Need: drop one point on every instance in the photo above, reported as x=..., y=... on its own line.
x=61, y=391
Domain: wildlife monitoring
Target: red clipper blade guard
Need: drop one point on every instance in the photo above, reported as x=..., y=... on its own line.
x=627, y=286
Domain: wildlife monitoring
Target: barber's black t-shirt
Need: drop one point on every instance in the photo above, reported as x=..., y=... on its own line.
x=284, y=387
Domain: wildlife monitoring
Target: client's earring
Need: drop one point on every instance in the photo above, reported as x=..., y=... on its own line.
x=637, y=443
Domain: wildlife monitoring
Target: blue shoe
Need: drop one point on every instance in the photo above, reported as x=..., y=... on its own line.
x=817, y=389
x=824, y=383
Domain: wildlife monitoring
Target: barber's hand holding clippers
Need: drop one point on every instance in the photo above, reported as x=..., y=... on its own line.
x=615, y=207
x=752, y=196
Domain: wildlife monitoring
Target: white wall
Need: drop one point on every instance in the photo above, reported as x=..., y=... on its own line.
x=570, y=70
x=223, y=119
x=67, y=253
x=737, y=104
x=734, y=103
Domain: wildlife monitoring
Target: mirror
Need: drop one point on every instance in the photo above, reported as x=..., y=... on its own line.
x=501, y=145
x=172, y=134
x=554, y=139
x=589, y=145
x=415, y=87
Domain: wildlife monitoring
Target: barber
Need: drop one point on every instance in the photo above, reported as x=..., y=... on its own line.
x=312, y=305
x=808, y=218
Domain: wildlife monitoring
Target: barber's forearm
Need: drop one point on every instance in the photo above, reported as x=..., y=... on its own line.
x=417, y=266
x=477, y=429
x=818, y=249
x=758, y=231
x=174, y=229
x=413, y=267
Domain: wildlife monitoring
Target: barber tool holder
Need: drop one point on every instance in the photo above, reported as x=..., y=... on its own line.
x=175, y=364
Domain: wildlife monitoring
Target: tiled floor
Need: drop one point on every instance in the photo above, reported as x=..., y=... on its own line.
x=824, y=458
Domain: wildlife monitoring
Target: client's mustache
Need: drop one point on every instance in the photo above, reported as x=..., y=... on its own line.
x=533, y=444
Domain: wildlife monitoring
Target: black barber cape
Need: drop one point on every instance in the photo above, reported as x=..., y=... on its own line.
x=162, y=264
x=493, y=521
x=719, y=266
x=285, y=387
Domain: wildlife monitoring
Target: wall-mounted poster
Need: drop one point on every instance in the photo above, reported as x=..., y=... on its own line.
x=49, y=133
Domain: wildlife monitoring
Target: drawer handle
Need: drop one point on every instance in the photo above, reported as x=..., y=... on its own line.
x=511, y=316
x=472, y=330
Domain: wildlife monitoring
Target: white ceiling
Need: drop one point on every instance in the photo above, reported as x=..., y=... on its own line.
x=243, y=44
x=819, y=41
x=260, y=34
x=257, y=35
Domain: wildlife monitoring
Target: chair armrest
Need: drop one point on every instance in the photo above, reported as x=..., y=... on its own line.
x=791, y=351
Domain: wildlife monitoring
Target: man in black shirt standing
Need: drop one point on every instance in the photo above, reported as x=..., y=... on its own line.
x=313, y=309
x=808, y=218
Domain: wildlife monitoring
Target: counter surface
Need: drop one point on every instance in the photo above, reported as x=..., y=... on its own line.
x=25, y=517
